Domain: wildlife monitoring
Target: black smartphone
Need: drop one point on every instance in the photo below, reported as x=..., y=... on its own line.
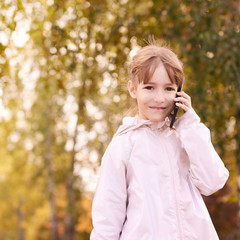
x=175, y=109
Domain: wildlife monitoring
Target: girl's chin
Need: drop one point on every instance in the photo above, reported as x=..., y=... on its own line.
x=154, y=116
x=157, y=119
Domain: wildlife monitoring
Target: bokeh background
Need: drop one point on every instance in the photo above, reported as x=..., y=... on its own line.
x=63, y=75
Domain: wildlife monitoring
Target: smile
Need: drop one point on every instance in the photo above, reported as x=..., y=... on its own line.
x=158, y=108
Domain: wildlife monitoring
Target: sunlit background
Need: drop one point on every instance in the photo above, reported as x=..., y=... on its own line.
x=63, y=76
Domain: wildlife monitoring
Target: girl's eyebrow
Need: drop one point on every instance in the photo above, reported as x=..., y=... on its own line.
x=151, y=83
x=170, y=84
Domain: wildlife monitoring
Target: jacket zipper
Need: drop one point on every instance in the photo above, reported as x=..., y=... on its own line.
x=179, y=225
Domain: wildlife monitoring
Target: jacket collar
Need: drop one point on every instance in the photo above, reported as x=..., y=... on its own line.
x=132, y=123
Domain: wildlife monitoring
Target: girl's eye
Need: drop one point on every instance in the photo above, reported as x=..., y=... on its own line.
x=170, y=89
x=149, y=87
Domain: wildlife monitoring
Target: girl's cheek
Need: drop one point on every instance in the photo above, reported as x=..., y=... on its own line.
x=172, y=96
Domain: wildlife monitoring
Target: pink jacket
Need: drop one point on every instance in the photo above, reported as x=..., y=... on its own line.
x=152, y=179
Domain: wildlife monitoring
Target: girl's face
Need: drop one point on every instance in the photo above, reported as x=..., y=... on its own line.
x=155, y=99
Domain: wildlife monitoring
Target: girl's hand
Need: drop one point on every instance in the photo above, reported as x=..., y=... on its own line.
x=183, y=101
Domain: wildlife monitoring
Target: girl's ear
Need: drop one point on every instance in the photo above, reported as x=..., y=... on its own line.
x=132, y=89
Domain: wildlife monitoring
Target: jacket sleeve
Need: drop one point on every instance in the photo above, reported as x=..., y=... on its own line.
x=207, y=170
x=109, y=204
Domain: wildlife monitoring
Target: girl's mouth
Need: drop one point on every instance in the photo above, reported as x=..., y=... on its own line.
x=158, y=108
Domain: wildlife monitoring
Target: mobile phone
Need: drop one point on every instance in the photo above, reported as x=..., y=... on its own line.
x=175, y=109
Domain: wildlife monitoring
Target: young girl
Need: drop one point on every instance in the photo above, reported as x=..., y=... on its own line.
x=152, y=177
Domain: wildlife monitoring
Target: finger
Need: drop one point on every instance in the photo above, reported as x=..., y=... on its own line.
x=184, y=107
x=183, y=94
x=184, y=101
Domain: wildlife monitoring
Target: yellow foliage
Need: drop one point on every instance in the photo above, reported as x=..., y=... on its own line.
x=38, y=221
x=85, y=220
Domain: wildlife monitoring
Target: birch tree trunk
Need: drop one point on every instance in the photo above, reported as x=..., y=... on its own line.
x=69, y=218
x=48, y=159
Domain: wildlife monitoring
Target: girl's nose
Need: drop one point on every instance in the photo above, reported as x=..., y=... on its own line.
x=159, y=97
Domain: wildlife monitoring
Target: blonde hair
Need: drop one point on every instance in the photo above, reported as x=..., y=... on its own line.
x=147, y=59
